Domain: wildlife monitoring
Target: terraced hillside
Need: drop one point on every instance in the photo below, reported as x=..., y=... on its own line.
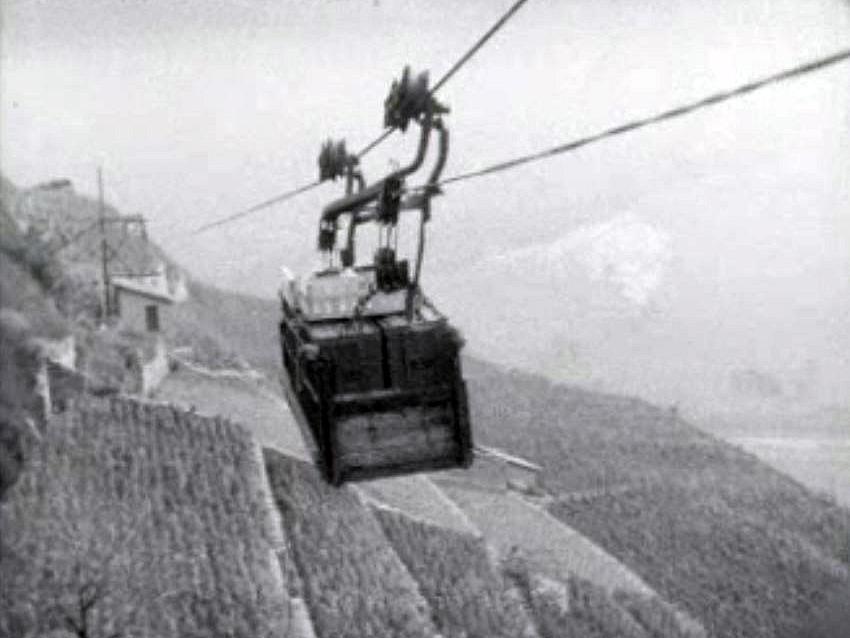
x=602, y=453
x=436, y=537
x=474, y=593
x=385, y=572
x=741, y=547
x=417, y=497
x=142, y=519
x=134, y=519
x=354, y=583
x=469, y=597
x=371, y=570
x=577, y=608
x=238, y=398
x=550, y=547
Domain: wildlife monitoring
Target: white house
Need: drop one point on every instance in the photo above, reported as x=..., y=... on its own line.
x=141, y=304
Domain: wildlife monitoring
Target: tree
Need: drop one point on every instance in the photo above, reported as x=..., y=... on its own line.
x=19, y=363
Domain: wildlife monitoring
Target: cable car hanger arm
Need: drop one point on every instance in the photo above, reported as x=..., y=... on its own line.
x=371, y=193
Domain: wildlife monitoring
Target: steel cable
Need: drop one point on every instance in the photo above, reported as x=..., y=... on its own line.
x=711, y=100
x=269, y=202
x=454, y=69
x=383, y=136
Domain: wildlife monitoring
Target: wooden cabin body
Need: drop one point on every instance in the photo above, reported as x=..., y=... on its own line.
x=381, y=394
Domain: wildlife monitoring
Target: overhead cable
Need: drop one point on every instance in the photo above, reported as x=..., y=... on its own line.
x=269, y=202
x=711, y=100
x=383, y=136
x=454, y=69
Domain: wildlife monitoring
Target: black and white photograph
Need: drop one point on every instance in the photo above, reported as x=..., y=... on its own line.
x=424, y=319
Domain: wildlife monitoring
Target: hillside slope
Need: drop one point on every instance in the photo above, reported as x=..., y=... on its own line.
x=468, y=595
x=140, y=520
x=27, y=274
x=636, y=457
x=741, y=547
x=54, y=234
x=372, y=570
x=420, y=521
x=354, y=583
x=550, y=547
x=240, y=399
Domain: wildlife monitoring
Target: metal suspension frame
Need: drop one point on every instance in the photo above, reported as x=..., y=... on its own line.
x=382, y=202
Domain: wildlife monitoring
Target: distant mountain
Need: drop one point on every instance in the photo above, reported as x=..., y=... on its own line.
x=572, y=308
x=632, y=306
x=625, y=256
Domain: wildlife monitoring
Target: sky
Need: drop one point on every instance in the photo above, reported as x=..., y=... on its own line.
x=723, y=233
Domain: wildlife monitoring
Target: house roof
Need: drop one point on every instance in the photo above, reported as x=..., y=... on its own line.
x=141, y=289
x=509, y=459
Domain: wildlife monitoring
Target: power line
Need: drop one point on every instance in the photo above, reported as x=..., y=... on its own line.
x=106, y=309
x=516, y=6
x=711, y=100
x=260, y=206
x=106, y=252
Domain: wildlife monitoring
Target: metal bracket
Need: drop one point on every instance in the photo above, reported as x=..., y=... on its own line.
x=409, y=99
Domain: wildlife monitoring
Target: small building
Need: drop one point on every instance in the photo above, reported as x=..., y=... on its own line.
x=518, y=474
x=140, y=305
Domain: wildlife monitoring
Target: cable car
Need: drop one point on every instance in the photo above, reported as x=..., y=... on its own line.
x=372, y=369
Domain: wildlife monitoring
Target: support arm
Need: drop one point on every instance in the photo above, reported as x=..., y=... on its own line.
x=372, y=193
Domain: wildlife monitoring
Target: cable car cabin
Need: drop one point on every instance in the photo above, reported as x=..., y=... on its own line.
x=372, y=368
x=382, y=393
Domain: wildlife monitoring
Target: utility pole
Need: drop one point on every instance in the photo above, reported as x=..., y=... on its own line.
x=104, y=248
x=107, y=252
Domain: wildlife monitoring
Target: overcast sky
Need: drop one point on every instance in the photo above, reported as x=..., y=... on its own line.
x=198, y=109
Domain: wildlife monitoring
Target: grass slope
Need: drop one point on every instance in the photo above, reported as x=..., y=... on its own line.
x=550, y=547
x=26, y=277
x=354, y=583
x=743, y=548
x=577, y=608
x=471, y=595
x=469, y=598
x=247, y=401
x=218, y=324
x=21, y=292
